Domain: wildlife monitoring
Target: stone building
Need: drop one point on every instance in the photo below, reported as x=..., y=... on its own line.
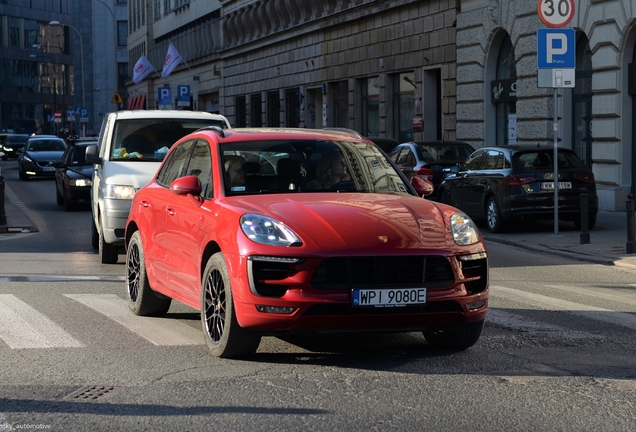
x=499, y=100
x=376, y=66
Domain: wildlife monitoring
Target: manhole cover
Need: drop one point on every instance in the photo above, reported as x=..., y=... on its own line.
x=90, y=393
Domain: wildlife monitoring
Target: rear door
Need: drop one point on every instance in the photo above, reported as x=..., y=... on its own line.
x=459, y=185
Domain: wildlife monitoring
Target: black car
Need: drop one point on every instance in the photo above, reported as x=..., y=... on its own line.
x=430, y=159
x=39, y=155
x=13, y=145
x=73, y=175
x=504, y=184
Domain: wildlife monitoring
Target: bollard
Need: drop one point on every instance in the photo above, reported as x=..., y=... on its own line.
x=631, y=225
x=3, y=215
x=585, y=220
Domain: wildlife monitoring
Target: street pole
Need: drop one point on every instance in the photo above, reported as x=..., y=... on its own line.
x=112, y=14
x=81, y=67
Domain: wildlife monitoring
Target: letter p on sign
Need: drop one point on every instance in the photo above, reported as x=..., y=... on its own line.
x=558, y=48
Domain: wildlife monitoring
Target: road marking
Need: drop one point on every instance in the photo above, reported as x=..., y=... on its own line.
x=550, y=303
x=21, y=326
x=68, y=278
x=603, y=293
x=158, y=330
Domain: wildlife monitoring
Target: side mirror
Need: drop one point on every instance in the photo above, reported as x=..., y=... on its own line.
x=92, y=155
x=186, y=185
x=422, y=186
x=59, y=164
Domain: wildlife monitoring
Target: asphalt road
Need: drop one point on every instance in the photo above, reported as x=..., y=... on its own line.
x=557, y=352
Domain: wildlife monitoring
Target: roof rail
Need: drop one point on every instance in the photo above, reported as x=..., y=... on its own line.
x=216, y=129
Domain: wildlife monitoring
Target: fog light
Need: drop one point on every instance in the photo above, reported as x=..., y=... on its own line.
x=275, y=309
x=476, y=305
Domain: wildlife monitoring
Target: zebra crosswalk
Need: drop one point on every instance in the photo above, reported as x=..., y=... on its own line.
x=24, y=327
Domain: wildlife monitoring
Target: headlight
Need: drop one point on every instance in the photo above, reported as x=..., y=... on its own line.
x=119, y=192
x=79, y=182
x=27, y=158
x=464, y=229
x=265, y=230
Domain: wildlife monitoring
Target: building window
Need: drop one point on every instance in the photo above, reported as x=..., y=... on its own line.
x=371, y=107
x=292, y=108
x=340, y=106
x=256, y=118
x=166, y=7
x=122, y=1
x=403, y=106
x=241, y=112
x=506, y=107
x=122, y=33
x=273, y=110
x=14, y=33
x=122, y=74
x=157, y=10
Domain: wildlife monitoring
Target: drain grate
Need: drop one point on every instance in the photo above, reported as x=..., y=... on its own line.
x=90, y=393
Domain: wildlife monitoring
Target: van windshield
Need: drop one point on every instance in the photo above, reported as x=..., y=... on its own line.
x=150, y=139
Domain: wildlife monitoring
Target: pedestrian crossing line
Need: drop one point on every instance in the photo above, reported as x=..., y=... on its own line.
x=21, y=326
x=603, y=293
x=550, y=303
x=157, y=330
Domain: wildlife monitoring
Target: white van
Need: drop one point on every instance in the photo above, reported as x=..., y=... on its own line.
x=129, y=151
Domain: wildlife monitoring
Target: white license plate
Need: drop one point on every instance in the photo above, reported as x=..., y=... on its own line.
x=550, y=185
x=388, y=297
x=48, y=168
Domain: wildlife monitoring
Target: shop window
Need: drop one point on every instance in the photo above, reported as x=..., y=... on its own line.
x=403, y=106
x=371, y=107
x=256, y=118
x=241, y=112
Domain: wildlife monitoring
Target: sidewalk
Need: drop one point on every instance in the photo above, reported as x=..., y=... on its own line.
x=607, y=243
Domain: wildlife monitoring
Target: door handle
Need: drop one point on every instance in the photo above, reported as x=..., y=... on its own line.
x=145, y=203
x=170, y=211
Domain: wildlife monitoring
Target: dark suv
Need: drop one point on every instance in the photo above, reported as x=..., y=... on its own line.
x=503, y=184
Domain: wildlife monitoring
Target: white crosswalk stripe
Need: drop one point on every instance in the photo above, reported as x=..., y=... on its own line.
x=555, y=304
x=159, y=331
x=21, y=326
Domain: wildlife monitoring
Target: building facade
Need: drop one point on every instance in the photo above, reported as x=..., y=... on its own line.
x=380, y=67
x=499, y=99
x=79, y=61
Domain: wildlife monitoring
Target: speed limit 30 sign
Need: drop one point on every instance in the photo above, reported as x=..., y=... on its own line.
x=556, y=13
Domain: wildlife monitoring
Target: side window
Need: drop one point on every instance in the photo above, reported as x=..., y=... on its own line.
x=201, y=166
x=473, y=162
x=394, y=154
x=403, y=155
x=66, y=158
x=410, y=159
x=492, y=161
x=175, y=163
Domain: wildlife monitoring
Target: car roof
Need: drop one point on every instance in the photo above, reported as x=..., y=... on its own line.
x=249, y=134
x=46, y=137
x=440, y=142
x=524, y=148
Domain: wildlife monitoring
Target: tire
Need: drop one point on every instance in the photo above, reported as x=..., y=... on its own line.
x=94, y=235
x=223, y=334
x=108, y=253
x=141, y=299
x=494, y=220
x=22, y=175
x=58, y=197
x=68, y=205
x=457, y=337
x=591, y=221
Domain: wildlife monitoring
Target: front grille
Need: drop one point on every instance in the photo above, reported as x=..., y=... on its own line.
x=395, y=271
x=346, y=309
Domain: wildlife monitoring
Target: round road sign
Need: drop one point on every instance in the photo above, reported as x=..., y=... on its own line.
x=556, y=13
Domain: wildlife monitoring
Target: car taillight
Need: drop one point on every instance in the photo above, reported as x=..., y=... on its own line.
x=587, y=178
x=427, y=173
x=519, y=180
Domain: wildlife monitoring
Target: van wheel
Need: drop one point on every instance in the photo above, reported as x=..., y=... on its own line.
x=94, y=235
x=108, y=253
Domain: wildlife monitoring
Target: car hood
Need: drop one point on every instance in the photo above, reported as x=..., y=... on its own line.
x=45, y=156
x=80, y=171
x=365, y=222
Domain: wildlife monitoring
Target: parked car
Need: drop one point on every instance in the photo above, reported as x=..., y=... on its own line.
x=39, y=154
x=505, y=184
x=260, y=253
x=130, y=148
x=13, y=145
x=385, y=143
x=73, y=175
x=430, y=159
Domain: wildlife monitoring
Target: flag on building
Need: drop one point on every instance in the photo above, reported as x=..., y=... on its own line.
x=173, y=58
x=142, y=69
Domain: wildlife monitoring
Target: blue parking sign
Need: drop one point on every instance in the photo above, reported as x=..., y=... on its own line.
x=164, y=96
x=555, y=49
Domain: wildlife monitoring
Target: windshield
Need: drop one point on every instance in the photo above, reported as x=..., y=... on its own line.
x=443, y=152
x=308, y=166
x=45, y=145
x=543, y=160
x=150, y=139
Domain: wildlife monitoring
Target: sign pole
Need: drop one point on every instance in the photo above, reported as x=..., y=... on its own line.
x=556, y=164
